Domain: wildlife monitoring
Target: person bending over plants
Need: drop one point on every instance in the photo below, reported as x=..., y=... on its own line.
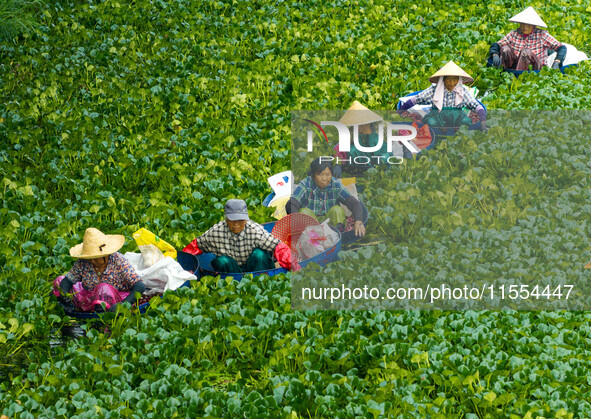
x=447, y=97
x=241, y=245
x=526, y=46
x=319, y=196
x=101, y=275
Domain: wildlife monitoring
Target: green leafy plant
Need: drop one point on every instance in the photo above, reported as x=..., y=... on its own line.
x=17, y=17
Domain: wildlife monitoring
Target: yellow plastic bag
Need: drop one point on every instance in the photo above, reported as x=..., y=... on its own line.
x=143, y=237
x=279, y=205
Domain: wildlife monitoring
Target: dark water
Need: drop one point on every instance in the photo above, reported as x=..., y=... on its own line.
x=62, y=336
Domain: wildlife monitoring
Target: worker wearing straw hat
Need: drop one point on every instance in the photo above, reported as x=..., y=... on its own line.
x=101, y=275
x=447, y=96
x=526, y=46
x=365, y=121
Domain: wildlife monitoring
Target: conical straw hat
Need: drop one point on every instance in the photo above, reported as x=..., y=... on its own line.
x=97, y=245
x=451, y=69
x=530, y=17
x=358, y=114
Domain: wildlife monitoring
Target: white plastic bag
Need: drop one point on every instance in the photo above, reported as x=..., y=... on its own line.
x=315, y=240
x=166, y=274
x=150, y=255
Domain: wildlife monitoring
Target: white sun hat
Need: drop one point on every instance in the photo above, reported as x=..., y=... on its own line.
x=358, y=114
x=529, y=17
x=451, y=69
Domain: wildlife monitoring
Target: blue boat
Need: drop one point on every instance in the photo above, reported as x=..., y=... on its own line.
x=187, y=261
x=517, y=73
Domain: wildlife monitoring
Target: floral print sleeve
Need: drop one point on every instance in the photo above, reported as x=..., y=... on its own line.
x=126, y=276
x=76, y=274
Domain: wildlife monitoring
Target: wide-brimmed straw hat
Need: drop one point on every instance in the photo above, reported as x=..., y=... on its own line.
x=97, y=245
x=358, y=114
x=530, y=17
x=451, y=69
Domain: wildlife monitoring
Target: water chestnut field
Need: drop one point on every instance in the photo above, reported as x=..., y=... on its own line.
x=152, y=113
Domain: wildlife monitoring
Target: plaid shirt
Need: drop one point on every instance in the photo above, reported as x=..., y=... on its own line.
x=119, y=273
x=319, y=200
x=539, y=42
x=221, y=241
x=449, y=98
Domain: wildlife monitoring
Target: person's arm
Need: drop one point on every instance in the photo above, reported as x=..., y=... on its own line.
x=298, y=198
x=131, y=298
x=130, y=277
x=264, y=240
x=494, y=53
x=66, y=285
x=292, y=206
x=202, y=244
x=357, y=209
x=73, y=276
x=425, y=97
x=560, y=55
x=495, y=49
x=551, y=43
x=355, y=206
x=506, y=40
x=412, y=101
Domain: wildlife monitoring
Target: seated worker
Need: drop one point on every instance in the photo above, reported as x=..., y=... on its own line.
x=319, y=196
x=527, y=45
x=240, y=244
x=366, y=122
x=447, y=97
x=100, y=275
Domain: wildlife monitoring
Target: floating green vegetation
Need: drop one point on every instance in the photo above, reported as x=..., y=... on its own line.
x=122, y=115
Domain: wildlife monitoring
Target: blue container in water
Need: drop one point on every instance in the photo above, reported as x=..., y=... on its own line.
x=517, y=73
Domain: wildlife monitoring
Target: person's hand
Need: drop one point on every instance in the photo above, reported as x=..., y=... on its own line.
x=496, y=60
x=556, y=65
x=66, y=304
x=359, y=228
x=100, y=308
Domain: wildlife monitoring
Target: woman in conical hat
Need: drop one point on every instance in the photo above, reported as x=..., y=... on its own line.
x=364, y=123
x=447, y=97
x=101, y=275
x=527, y=45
